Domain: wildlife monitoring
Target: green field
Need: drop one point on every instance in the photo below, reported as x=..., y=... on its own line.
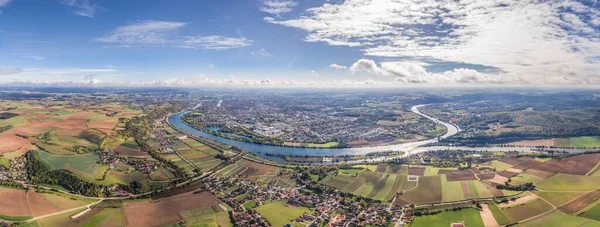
x=210, y=220
x=558, y=198
x=451, y=191
x=530, y=209
x=83, y=165
x=469, y=216
x=560, y=219
x=279, y=214
x=14, y=218
x=500, y=166
x=499, y=214
x=429, y=190
x=523, y=178
x=249, y=204
x=568, y=182
x=585, y=141
x=4, y=162
x=106, y=217
x=593, y=212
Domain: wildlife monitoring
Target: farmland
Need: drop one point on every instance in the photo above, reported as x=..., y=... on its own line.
x=527, y=210
x=560, y=219
x=280, y=214
x=60, y=129
x=469, y=216
x=20, y=205
x=169, y=210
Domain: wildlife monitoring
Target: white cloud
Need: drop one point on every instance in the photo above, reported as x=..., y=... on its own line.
x=164, y=33
x=66, y=71
x=143, y=33
x=34, y=57
x=314, y=73
x=336, y=66
x=215, y=42
x=4, y=2
x=83, y=8
x=9, y=71
x=261, y=53
x=537, y=41
x=277, y=7
x=414, y=72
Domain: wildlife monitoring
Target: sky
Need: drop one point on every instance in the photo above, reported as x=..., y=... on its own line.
x=300, y=42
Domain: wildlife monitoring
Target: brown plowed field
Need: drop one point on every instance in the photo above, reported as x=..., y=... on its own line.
x=539, y=173
x=381, y=168
x=261, y=169
x=13, y=202
x=580, y=202
x=486, y=176
x=498, y=179
x=583, y=164
x=419, y=171
x=165, y=211
x=507, y=174
x=527, y=164
x=429, y=190
x=38, y=205
x=553, y=166
x=461, y=176
x=466, y=187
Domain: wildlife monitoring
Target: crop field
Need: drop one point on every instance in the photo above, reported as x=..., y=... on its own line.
x=83, y=165
x=498, y=214
x=458, y=175
x=63, y=220
x=130, y=148
x=339, y=181
x=580, y=202
x=279, y=213
x=592, y=212
x=161, y=174
x=429, y=190
x=106, y=217
x=22, y=205
x=470, y=217
x=379, y=186
x=583, y=164
x=165, y=211
x=500, y=166
x=58, y=129
x=524, y=177
x=527, y=210
x=583, y=141
x=214, y=219
x=568, y=182
x=558, y=198
x=560, y=219
x=451, y=191
x=251, y=170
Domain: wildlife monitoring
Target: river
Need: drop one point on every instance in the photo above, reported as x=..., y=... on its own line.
x=408, y=148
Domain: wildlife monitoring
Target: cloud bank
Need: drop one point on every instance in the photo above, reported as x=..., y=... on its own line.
x=548, y=42
x=166, y=33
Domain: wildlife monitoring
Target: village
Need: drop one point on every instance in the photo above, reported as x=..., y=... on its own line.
x=331, y=206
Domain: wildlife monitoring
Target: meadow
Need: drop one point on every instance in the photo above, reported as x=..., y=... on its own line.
x=279, y=213
x=469, y=216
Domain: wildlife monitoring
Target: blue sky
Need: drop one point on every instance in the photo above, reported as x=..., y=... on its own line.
x=348, y=42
